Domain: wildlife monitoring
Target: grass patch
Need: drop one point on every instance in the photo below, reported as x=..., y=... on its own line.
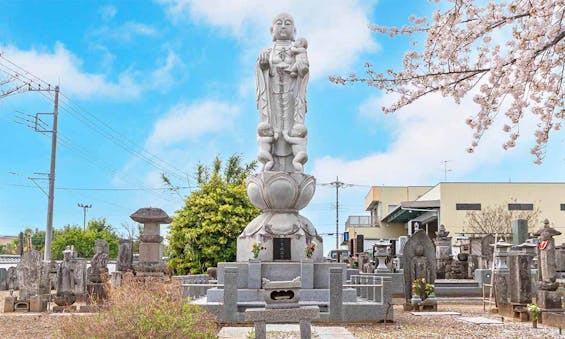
x=148, y=309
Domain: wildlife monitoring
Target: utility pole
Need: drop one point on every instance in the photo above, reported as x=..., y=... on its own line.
x=84, y=208
x=27, y=82
x=51, y=196
x=337, y=184
x=445, y=169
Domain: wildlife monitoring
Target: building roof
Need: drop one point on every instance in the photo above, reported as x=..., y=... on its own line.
x=408, y=210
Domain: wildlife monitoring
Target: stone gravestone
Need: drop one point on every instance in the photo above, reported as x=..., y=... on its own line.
x=560, y=258
x=33, y=275
x=519, y=231
x=282, y=188
x=3, y=279
x=150, y=251
x=97, y=274
x=125, y=255
x=443, y=252
x=81, y=279
x=20, y=248
x=547, y=296
x=520, y=279
x=12, y=278
x=486, y=251
x=419, y=261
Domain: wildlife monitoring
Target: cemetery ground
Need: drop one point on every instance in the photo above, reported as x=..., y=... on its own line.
x=406, y=325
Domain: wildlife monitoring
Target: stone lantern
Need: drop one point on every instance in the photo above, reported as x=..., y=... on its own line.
x=382, y=251
x=502, y=251
x=150, y=252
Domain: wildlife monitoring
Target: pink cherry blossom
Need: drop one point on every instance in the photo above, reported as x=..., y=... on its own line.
x=464, y=54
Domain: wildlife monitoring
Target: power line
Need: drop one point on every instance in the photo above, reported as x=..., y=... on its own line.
x=93, y=122
x=102, y=188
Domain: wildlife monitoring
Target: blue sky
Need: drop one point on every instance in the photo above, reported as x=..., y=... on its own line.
x=161, y=86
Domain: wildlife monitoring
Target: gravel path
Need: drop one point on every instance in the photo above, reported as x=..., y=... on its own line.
x=406, y=325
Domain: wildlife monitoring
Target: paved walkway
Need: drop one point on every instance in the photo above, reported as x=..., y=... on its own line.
x=286, y=331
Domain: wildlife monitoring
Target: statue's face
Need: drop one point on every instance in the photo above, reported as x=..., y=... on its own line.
x=283, y=28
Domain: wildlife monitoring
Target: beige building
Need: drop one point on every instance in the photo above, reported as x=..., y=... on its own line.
x=6, y=239
x=394, y=210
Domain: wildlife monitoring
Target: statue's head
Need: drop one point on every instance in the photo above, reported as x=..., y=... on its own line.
x=100, y=246
x=301, y=42
x=283, y=27
x=67, y=253
x=264, y=129
x=299, y=130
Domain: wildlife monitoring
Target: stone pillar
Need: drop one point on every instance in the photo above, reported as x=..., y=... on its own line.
x=254, y=274
x=400, y=250
x=229, y=312
x=501, y=288
x=336, y=294
x=519, y=231
x=307, y=273
x=260, y=330
x=305, y=329
x=520, y=279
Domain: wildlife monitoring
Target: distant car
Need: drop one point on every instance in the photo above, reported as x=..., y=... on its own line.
x=338, y=255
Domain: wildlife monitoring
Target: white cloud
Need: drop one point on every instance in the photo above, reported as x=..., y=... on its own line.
x=425, y=134
x=62, y=67
x=108, y=12
x=125, y=32
x=190, y=121
x=336, y=34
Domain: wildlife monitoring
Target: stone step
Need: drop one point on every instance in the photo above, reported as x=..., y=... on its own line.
x=446, y=283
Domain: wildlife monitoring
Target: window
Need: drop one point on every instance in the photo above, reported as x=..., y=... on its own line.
x=520, y=207
x=563, y=207
x=468, y=207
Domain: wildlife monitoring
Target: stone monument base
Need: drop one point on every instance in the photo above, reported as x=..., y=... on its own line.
x=96, y=293
x=62, y=309
x=548, y=300
x=9, y=304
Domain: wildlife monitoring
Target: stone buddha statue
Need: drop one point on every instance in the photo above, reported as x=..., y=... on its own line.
x=281, y=75
x=421, y=266
x=548, y=269
x=66, y=280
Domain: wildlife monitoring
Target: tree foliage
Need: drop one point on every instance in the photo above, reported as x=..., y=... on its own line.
x=508, y=54
x=498, y=219
x=37, y=239
x=84, y=240
x=204, y=232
